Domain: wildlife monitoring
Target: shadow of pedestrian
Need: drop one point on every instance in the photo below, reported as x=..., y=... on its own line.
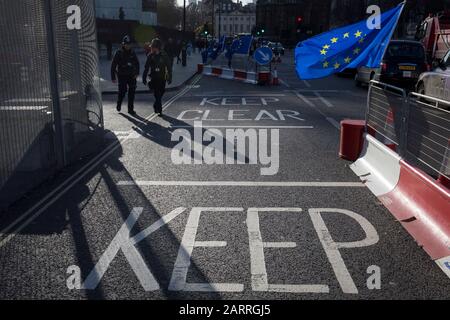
x=78, y=228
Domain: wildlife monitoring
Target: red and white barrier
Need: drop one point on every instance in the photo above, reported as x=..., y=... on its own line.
x=230, y=74
x=421, y=204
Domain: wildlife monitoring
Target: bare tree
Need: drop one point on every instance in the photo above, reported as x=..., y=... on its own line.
x=169, y=14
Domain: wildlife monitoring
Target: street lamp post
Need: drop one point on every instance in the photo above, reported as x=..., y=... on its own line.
x=220, y=18
x=184, y=16
x=213, y=18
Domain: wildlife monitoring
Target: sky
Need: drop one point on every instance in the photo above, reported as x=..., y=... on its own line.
x=180, y=2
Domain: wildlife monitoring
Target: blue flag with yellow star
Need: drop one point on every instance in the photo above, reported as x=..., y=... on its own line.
x=347, y=47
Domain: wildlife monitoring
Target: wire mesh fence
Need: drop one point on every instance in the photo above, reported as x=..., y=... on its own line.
x=418, y=126
x=428, y=133
x=385, y=107
x=50, y=103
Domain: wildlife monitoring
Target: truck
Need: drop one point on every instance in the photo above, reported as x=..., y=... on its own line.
x=434, y=33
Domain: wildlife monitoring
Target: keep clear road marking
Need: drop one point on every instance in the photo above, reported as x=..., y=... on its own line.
x=125, y=242
x=260, y=280
x=8, y=233
x=178, y=281
x=242, y=184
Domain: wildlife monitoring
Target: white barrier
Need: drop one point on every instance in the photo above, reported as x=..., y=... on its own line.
x=378, y=166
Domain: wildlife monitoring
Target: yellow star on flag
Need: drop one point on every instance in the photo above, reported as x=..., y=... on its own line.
x=348, y=60
x=326, y=64
x=326, y=47
x=323, y=52
x=334, y=40
x=337, y=65
x=357, y=51
x=346, y=35
x=361, y=40
x=358, y=34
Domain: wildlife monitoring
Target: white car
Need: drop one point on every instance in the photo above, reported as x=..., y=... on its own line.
x=437, y=82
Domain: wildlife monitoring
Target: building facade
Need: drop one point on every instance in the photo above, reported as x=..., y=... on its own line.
x=349, y=11
x=279, y=18
x=143, y=11
x=231, y=20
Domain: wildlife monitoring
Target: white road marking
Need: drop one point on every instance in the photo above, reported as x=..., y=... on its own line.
x=284, y=83
x=334, y=123
x=306, y=83
x=183, y=261
x=305, y=100
x=59, y=191
x=238, y=95
x=244, y=127
x=280, y=245
x=123, y=241
x=242, y=184
x=324, y=100
x=257, y=260
x=332, y=248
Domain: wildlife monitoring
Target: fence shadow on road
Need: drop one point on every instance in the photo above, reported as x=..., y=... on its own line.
x=70, y=213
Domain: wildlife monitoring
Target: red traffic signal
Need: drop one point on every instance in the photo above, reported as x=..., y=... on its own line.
x=299, y=19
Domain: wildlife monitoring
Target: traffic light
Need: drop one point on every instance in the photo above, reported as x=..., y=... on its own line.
x=205, y=29
x=299, y=21
x=260, y=31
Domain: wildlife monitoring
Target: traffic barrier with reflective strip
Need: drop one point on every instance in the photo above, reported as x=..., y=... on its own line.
x=421, y=204
x=230, y=74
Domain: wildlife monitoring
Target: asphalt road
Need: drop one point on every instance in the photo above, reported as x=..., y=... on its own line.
x=294, y=224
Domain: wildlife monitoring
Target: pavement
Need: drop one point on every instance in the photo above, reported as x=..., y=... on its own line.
x=139, y=221
x=180, y=74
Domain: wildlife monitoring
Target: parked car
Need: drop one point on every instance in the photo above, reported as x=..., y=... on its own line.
x=436, y=83
x=402, y=65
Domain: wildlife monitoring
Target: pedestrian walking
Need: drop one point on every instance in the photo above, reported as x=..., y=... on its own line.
x=125, y=67
x=179, y=47
x=170, y=50
x=158, y=69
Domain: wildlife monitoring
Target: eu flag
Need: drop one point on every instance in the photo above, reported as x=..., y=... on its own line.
x=347, y=47
x=242, y=45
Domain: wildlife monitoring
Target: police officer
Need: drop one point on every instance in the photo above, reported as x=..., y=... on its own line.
x=125, y=66
x=158, y=68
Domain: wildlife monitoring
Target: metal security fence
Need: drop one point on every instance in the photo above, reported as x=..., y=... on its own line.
x=428, y=132
x=384, y=103
x=417, y=126
x=50, y=102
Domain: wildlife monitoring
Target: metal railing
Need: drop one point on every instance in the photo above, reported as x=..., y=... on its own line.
x=50, y=101
x=417, y=126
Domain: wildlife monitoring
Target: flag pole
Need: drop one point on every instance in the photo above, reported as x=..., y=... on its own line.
x=403, y=4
